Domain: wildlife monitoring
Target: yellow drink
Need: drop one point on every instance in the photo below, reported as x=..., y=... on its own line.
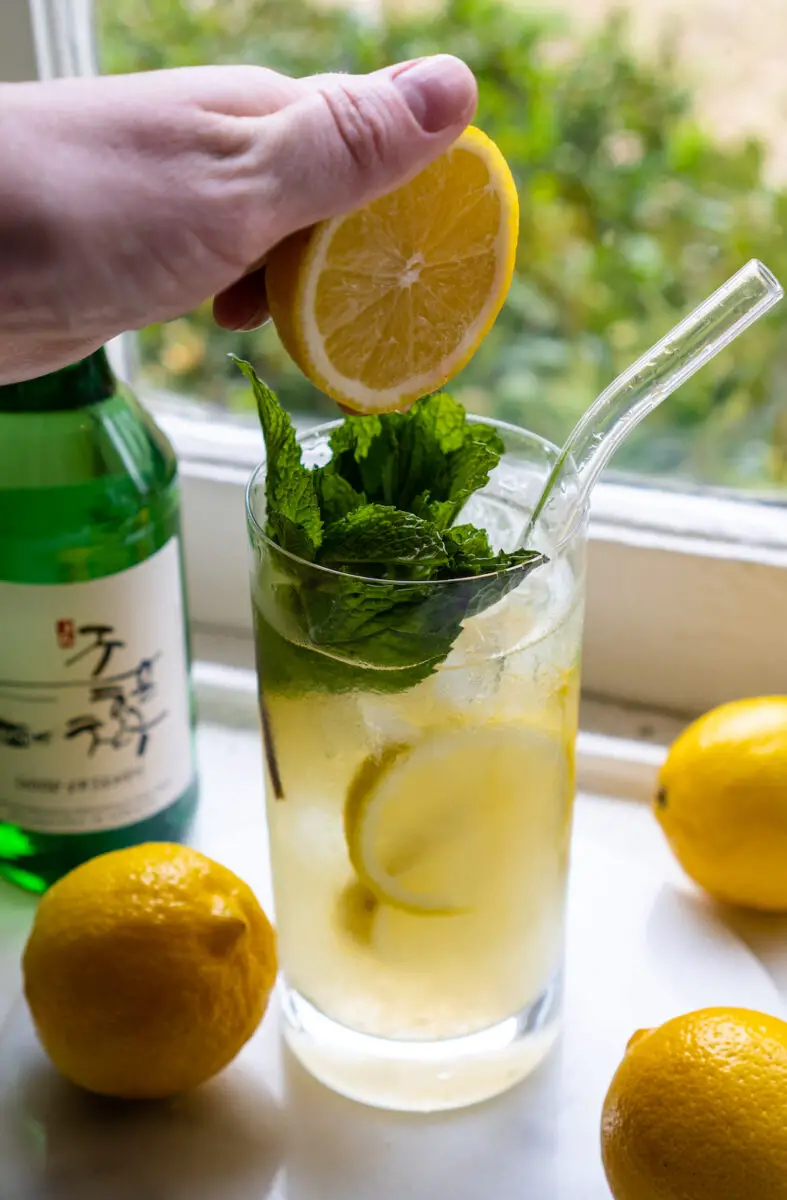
x=420, y=840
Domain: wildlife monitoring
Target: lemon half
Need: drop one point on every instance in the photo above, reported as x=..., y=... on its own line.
x=431, y=827
x=387, y=303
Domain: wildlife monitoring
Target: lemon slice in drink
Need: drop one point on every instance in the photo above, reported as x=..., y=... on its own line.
x=387, y=303
x=433, y=828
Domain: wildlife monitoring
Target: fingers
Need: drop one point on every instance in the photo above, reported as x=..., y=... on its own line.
x=353, y=138
x=243, y=305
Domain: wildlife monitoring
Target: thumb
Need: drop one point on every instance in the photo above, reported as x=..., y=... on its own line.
x=353, y=138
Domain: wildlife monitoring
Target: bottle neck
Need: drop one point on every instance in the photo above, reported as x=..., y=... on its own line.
x=83, y=383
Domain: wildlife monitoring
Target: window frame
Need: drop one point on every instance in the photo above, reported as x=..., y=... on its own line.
x=687, y=590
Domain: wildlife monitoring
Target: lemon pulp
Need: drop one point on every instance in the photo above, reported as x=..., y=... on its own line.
x=386, y=304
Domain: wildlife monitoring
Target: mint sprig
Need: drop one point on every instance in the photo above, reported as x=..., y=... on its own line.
x=293, y=516
x=380, y=514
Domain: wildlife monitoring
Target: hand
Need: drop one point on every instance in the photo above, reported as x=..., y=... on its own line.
x=131, y=199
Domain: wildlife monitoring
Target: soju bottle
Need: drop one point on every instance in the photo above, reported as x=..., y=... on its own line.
x=96, y=716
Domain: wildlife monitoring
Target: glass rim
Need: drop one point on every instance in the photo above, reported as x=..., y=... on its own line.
x=324, y=428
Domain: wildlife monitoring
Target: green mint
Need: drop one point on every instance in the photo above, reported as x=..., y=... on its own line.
x=293, y=514
x=381, y=515
x=377, y=538
x=427, y=461
x=335, y=496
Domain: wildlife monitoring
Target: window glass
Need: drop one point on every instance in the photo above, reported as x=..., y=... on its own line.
x=650, y=156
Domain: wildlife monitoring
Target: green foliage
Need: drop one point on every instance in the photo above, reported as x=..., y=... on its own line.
x=631, y=214
x=381, y=603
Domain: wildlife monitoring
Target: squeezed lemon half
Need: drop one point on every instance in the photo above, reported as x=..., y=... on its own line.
x=387, y=303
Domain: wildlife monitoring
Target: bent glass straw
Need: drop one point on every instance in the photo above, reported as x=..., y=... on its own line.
x=698, y=338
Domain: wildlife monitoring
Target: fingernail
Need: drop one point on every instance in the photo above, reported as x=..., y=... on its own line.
x=439, y=91
x=260, y=318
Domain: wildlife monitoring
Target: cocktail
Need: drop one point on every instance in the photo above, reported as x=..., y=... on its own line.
x=417, y=586
x=420, y=749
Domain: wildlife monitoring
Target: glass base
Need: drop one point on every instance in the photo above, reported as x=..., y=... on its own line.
x=422, y=1076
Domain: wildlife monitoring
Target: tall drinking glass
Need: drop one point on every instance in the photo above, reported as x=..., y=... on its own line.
x=420, y=818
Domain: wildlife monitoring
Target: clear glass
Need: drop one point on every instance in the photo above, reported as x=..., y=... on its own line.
x=420, y=823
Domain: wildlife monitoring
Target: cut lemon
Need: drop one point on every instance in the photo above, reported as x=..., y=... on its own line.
x=437, y=827
x=385, y=304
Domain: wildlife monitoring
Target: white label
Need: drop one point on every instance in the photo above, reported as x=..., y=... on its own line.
x=94, y=699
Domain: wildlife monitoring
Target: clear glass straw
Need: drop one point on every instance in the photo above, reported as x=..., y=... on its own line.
x=737, y=304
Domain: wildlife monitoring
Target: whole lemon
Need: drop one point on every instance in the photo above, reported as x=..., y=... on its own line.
x=697, y=1110
x=722, y=802
x=147, y=970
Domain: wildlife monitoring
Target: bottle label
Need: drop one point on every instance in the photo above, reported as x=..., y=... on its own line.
x=95, y=728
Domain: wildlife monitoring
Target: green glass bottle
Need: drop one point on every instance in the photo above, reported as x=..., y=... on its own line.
x=96, y=711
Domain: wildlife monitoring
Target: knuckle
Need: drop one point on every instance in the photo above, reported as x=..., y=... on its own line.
x=222, y=138
x=221, y=179
x=362, y=124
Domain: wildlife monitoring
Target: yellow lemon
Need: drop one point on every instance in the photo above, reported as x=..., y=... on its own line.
x=388, y=303
x=722, y=802
x=698, y=1110
x=147, y=970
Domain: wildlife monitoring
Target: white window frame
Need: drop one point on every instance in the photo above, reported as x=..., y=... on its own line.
x=687, y=594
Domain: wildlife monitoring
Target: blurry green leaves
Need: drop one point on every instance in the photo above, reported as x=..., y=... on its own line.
x=631, y=214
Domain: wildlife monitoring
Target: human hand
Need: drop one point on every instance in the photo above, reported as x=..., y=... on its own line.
x=128, y=200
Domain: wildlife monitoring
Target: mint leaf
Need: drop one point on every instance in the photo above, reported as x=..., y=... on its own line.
x=470, y=467
x=406, y=628
x=292, y=512
x=335, y=496
x=433, y=432
x=476, y=595
x=467, y=547
x=378, y=535
x=355, y=436
x=384, y=626
x=440, y=422
x=459, y=475
x=469, y=553
x=428, y=461
x=366, y=454
x=292, y=668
